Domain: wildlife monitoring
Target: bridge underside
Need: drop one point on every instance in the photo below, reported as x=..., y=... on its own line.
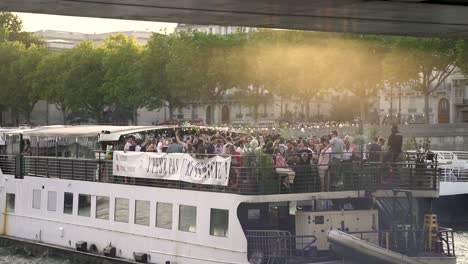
x=433, y=18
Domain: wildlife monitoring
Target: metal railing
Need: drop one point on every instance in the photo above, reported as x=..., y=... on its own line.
x=8, y=164
x=415, y=242
x=251, y=174
x=277, y=246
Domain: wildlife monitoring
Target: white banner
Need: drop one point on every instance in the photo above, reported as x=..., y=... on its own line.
x=174, y=166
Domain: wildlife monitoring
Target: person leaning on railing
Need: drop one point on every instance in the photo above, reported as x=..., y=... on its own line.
x=395, y=142
x=323, y=164
x=282, y=167
x=235, y=176
x=336, y=156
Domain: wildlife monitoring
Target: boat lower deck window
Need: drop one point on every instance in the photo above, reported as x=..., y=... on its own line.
x=188, y=218
x=121, y=210
x=10, y=202
x=84, y=205
x=219, y=222
x=102, y=207
x=164, y=215
x=142, y=212
x=68, y=203
x=36, y=202
x=51, y=201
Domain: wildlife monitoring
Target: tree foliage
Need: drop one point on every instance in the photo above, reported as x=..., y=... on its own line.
x=430, y=61
x=109, y=82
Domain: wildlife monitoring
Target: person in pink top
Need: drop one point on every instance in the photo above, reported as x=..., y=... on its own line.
x=281, y=167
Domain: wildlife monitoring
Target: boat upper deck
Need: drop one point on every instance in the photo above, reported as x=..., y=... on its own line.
x=248, y=175
x=68, y=152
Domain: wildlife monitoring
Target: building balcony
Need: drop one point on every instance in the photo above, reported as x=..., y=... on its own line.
x=460, y=101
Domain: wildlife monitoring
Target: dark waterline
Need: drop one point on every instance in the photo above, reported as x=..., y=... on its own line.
x=18, y=256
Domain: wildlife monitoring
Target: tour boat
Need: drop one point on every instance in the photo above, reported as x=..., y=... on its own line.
x=72, y=191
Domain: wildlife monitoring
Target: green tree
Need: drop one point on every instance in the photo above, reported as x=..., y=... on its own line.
x=251, y=85
x=222, y=69
x=171, y=71
x=121, y=56
x=49, y=76
x=11, y=28
x=11, y=22
x=10, y=53
x=433, y=59
x=361, y=68
x=84, y=80
x=462, y=59
x=20, y=91
x=399, y=71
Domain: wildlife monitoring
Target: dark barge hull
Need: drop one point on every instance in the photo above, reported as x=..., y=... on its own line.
x=36, y=249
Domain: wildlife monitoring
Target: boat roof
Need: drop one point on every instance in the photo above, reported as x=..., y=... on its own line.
x=105, y=133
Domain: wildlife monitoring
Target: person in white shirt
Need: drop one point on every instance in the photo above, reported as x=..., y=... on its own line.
x=159, y=147
x=337, y=147
x=128, y=143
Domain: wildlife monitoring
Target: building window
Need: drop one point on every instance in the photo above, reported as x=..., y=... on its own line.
x=10, y=202
x=188, y=218
x=465, y=94
x=84, y=205
x=51, y=201
x=219, y=222
x=102, y=207
x=142, y=212
x=164, y=215
x=444, y=106
x=36, y=203
x=121, y=210
x=68, y=203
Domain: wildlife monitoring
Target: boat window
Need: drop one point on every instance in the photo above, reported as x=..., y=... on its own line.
x=10, y=201
x=36, y=203
x=188, y=218
x=319, y=220
x=84, y=205
x=68, y=203
x=164, y=215
x=51, y=201
x=121, y=210
x=102, y=207
x=142, y=212
x=253, y=214
x=219, y=222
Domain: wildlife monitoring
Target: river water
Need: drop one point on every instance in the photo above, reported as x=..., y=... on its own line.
x=15, y=256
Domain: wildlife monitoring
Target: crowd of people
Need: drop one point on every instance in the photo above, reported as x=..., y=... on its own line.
x=326, y=157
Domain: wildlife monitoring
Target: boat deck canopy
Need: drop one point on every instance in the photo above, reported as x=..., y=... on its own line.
x=105, y=133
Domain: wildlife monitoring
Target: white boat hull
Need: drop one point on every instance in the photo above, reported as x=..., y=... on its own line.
x=57, y=228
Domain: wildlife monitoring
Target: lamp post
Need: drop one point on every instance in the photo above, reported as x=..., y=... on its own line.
x=399, y=105
x=391, y=100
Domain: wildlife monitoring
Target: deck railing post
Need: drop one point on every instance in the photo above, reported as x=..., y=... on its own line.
x=19, y=166
x=85, y=171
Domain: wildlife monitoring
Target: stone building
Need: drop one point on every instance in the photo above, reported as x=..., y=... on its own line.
x=447, y=104
x=66, y=40
x=232, y=112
